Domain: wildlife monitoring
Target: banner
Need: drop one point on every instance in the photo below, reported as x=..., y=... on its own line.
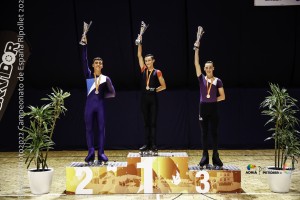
x=14, y=52
x=276, y=2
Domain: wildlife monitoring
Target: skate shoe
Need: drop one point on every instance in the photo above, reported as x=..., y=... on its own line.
x=91, y=156
x=217, y=161
x=144, y=150
x=204, y=160
x=153, y=151
x=102, y=159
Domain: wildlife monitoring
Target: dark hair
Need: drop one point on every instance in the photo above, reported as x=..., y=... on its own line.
x=150, y=55
x=97, y=58
x=210, y=62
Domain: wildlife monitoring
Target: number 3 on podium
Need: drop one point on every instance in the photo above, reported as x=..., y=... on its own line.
x=203, y=181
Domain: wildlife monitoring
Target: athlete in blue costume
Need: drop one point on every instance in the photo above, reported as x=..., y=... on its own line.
x=98, y=88
x=211, y=92
x=152, y=82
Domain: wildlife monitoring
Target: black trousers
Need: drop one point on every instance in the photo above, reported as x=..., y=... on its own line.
x=209, y=121
x=149, y=106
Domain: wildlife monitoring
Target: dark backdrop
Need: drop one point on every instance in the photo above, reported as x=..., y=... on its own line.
x=250, y=46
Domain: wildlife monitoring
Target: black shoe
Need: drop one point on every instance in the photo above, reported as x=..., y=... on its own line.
x=91, y=156
x=144, y=148
x=154, y=148
x=216, y=160
x=204, y=159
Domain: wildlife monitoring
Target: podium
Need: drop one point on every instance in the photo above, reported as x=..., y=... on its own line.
x=165, y=173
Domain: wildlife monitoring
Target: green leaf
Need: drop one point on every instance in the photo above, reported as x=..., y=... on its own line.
x=282, y=110
x=38, y=136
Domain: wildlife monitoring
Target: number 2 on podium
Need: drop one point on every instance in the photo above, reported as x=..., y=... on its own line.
x=88, y=177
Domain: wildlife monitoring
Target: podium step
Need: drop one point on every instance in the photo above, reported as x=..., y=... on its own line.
x=160, y=154
x=225, y=167
x=166, y=173
x=109, y=164
x=227, y=179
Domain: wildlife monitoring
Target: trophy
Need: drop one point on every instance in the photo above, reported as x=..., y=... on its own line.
x=142, y=31
x=199, y=35
x=85, y=30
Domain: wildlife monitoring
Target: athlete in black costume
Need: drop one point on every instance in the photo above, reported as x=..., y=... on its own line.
x=152, y=82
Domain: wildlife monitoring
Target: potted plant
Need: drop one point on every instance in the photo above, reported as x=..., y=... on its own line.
x=282, y=110
x=38, y=140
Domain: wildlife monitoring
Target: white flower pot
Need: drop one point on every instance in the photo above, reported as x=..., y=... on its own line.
x=279, y=180
x=40, y=181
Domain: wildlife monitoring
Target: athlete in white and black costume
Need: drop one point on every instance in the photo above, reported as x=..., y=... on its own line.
x=211, y=92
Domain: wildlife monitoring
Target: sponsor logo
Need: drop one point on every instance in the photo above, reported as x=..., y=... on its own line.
x=251, y=169
x=6, y=68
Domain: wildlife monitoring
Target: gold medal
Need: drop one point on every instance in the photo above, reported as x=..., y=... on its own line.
x=209, y=87
x=97, y=83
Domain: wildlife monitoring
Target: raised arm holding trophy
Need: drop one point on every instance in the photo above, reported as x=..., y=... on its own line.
x=200, y=32
x=142, y=31
x=86, y=28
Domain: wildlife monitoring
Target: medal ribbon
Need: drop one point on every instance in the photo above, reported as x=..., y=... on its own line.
x=148, y=77
x=208, y=87
x=97, y=81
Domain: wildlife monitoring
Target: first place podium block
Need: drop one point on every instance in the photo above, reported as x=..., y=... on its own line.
x=165, y=173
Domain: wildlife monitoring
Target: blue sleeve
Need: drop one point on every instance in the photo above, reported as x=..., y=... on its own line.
x=110, y=92
x=85, y=64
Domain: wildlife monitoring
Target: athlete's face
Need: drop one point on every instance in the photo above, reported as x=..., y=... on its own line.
x=149, y=61
x=98, y=65
x=209, y=68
